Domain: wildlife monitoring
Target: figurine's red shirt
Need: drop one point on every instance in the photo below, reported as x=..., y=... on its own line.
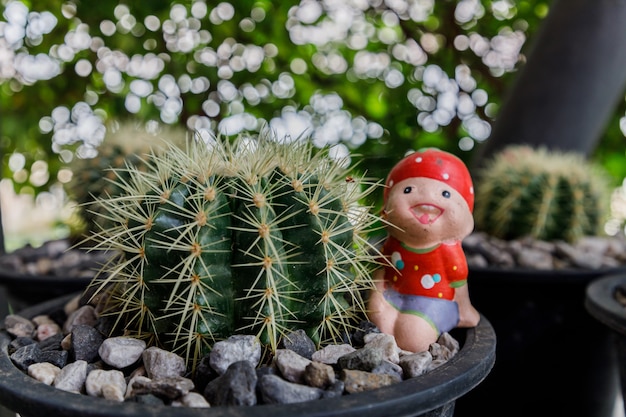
x=433, y=272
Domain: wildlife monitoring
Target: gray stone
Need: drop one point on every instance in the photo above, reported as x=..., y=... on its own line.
x=72, y=377
x=290, y=364
x=160, y=363
x=416, y=364
x=56, y=357
x=26, y=356
x=364, y=359
x=449, y=342
x=237, y=386
x=335, y=390
x=331, y=353
x=172, y=387
x=193, y=400
x=121, y=352
x=85, y=342
x=83, y=315
x=299, y=342
x=234, y=349
x=275, y=390
x=19, y=326
x=389, y=368
x=386, y=344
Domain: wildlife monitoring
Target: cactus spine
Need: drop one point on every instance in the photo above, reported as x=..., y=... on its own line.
x=256, y=236
x=544, y=194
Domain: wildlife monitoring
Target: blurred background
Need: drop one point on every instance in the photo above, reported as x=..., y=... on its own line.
x=373, y=78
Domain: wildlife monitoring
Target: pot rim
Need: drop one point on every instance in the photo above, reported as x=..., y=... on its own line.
x=600, y=302
x=29, y=397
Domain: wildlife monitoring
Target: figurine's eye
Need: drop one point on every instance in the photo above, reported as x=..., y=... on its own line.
x=445, y=194
x=407, y=190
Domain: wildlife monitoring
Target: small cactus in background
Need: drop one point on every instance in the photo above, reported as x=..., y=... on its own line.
x=543, y=194
x=256, y=236
x=125, y=143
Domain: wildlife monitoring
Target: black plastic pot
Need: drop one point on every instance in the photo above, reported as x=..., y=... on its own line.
x=433, y=394
x=602, y=304
x=553, y=357
x=21, y=289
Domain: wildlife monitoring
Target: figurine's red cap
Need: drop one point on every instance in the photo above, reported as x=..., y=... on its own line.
x=438, y=165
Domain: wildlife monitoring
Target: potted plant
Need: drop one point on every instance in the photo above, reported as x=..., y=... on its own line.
x=258, y=236
x=33, y=274
x=527, y=199
x=605, y=300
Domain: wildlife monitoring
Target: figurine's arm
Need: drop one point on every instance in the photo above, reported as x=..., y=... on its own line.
x=468, y=316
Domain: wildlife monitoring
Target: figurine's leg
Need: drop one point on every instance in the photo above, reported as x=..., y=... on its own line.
x=380, y=312
x=413, y=333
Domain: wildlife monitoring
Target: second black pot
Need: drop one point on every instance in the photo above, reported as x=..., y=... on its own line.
x=553, y=357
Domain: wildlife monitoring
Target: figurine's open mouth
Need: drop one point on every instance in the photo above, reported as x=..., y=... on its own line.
x=426, y=213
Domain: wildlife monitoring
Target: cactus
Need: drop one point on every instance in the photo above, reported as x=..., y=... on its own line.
x=123, y=144
x=548, y=195
x=257, y=236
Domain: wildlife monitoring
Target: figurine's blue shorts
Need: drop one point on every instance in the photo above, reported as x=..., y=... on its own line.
x=443, y=315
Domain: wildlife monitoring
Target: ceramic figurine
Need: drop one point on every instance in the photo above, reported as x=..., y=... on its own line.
x=421, y=291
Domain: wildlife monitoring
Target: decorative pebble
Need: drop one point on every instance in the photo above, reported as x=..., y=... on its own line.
x=83, y=315
x=331, y=353
x=229, y=375
x=299, y=342
x=236, y=386
x=275, y=390
x=290, y=364
x=359, y=381
x=415, y=364
x=588, y=253
x=85, y=342
x=52, y=343
x=26, y=356
x=108, y=384
x=121, y=351
x=44, y=372
x=56, y=357
x=319, y=375
x=172, y=387
x=364, y=359
x=19, y=326
x=137, y=386
x=160, y=363
x=72, y=377
x=193, y=400
x=46, y=330
x=389, y=368
x=234, y=349
x=445, y=339
x=385, y=343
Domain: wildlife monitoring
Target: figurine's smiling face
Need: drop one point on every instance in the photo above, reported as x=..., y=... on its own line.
x=425, y=211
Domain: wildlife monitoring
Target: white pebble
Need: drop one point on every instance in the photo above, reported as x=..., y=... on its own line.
x=121, y=352
x=44, y=372
x=108, y=384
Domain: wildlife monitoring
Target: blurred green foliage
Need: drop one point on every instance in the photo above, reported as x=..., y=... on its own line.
x=377, y=59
